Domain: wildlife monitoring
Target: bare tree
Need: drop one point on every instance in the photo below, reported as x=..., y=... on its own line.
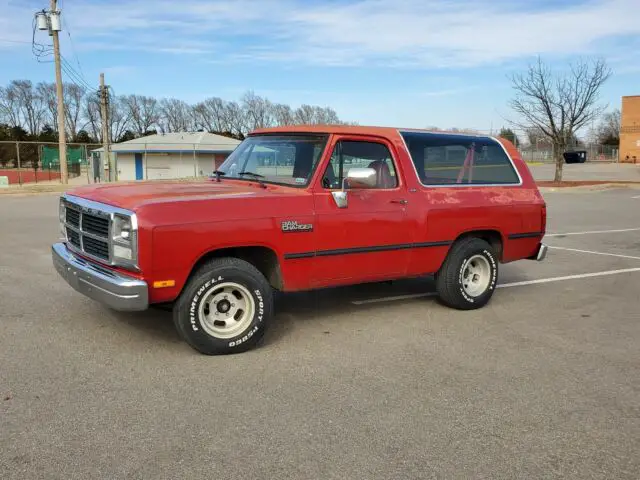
x=235, y=119
x=144, y=112
x=258, y=111
x=304, y=115
x=331, y=116
x=175, y=115
x=534, y=135
x=73, y=96
x=91, y=114
x=283, y=114
x=119, y=117
x=47, y=92
x=30, y=106
x=471, y=131
x=9, y=107
x=211, y=115
x=608, y=131
x=559, y=104
x=134, y=115
x=325, y=116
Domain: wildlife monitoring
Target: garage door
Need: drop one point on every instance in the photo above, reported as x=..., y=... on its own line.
x=158, y=166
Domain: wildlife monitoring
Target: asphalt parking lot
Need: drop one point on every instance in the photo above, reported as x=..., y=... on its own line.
x=374, y=381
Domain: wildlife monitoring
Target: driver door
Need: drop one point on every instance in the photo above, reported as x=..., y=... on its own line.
x=369, y=239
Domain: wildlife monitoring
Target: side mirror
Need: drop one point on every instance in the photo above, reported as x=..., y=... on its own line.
x=356, y=178
x=361, y=178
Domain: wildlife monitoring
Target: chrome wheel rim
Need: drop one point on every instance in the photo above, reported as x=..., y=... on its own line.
x=226, y=310
x=476, y=275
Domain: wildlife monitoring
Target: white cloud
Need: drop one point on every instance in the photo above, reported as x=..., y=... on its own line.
x=405, y=33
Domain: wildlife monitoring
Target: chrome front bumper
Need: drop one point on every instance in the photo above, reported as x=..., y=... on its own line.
x=115, y=290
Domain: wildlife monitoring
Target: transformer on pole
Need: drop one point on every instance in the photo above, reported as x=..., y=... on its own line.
x=50, y=21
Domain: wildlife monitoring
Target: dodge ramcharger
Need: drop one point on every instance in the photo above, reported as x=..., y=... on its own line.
x=301, y=208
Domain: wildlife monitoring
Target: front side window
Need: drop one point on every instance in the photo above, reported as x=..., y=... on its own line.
x=349, y=154
x=445, y=159
x=281, y=159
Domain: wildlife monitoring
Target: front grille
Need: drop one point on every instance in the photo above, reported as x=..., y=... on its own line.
x=73, y=217
x=88, y=230
x=97, y=248
x=95, y=225
x=73, y=237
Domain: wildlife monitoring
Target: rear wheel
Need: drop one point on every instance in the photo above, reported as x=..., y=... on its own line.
x=224, y=307
x=468, y=276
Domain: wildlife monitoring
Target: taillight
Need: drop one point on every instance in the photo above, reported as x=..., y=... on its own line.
x=543, y=218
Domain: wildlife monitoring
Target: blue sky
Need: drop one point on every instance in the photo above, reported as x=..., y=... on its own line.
x=413, y=63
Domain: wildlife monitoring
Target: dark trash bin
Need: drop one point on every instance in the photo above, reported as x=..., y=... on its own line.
x=579, y=156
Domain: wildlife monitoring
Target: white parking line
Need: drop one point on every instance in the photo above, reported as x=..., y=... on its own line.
x=595, y=253
x=637, y=196
x=593, y=231
x=569, y=277
x=506, y=285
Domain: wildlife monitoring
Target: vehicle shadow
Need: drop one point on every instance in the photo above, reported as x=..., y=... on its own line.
x=291, y=309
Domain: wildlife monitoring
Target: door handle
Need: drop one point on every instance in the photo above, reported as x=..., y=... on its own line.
x=401, y=201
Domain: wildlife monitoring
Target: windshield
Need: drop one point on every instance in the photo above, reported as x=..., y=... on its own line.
x=283, y=159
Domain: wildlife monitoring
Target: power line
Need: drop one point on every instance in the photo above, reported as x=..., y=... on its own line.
x=77, y=78
x=71, y=78
x=39, y=50
x=73, y=48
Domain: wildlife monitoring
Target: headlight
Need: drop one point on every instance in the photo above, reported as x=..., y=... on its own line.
x=62, y=214
x=122, y=230
x=124, y=238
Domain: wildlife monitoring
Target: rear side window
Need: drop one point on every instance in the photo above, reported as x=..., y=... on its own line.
x=444, y=159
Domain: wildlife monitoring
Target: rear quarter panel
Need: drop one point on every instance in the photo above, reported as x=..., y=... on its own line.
x=443, y=213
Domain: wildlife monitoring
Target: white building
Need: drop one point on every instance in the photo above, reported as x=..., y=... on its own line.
x=170, y=155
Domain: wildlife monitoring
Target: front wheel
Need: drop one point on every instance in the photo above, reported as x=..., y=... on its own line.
x=224, y=307
x=468, y=276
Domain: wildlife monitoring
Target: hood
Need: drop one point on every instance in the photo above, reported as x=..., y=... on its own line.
x=132, y=196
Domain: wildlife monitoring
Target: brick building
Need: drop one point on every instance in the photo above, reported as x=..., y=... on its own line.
x=630, y=129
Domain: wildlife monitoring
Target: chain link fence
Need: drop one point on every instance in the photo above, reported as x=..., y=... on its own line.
x=546, y=153
x=38, y=162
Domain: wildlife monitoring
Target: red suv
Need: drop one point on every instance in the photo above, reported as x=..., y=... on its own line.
x=298, y=208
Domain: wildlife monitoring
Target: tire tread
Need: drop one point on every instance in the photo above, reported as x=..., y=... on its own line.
x=447, y=277
x=206, y=269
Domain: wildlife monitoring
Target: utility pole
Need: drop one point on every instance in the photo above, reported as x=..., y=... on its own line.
x=54, y=28
x=104, y=115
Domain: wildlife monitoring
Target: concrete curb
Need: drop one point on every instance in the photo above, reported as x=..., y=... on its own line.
x=591, y=188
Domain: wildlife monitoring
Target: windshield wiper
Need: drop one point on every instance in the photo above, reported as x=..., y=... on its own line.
x=257, y=175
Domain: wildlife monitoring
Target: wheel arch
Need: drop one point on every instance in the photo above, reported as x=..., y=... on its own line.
x=492, y=236
x=263, y=258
